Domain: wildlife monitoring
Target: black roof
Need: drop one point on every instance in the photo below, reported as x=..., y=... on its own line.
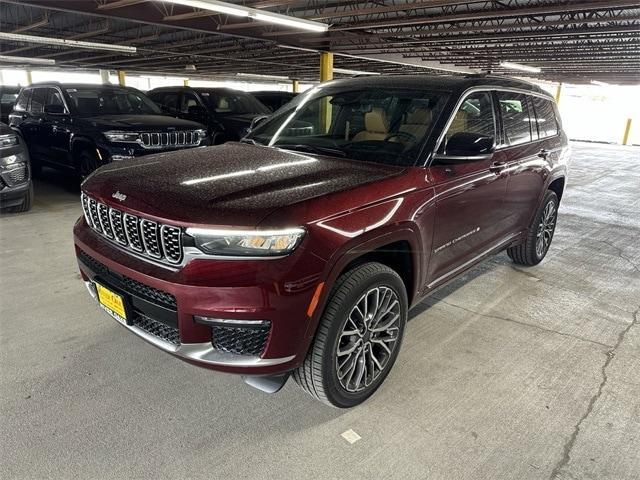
x=450, y=83
x=78, y=85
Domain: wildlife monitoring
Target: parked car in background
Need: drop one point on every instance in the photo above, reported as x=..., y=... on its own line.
x=16, y=189
x=274, y=99
x=227, y=113
x=81, y=127
x=8, y=97
x=300, y=250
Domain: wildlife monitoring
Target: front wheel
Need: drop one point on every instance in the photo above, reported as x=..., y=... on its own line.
x=535, y=247
x=358, y=338
x=87, y=162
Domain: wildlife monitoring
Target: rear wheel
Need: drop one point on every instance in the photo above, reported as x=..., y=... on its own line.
x=358, y=338
x=541, y=230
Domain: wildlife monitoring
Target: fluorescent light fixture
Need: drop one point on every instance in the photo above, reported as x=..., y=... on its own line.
x=66, y=43
x=247, y=12
x=347, y=71
x=518, y=66
x=262, y=76
x=598, y=82
x=39, y=61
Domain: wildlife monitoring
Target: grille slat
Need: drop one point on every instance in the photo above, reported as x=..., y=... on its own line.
x=183, y=138
x=154, y=240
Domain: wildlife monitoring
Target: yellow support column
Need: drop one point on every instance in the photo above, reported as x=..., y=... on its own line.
x=185, y=82
x=29, y=78
x=326, y=74
x=295, y=86
x=326, y=66
x=627, y=131
x=121, y=78
x=558, y=92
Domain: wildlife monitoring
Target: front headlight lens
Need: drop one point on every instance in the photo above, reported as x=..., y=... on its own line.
x=128, y=137
x=9, y=141
x=202, y=134
x=246, y=243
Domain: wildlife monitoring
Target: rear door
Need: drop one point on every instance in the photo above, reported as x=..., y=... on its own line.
x=526, y=154
x=470, y=211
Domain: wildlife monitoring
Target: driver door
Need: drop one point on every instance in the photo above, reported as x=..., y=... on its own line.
x=470, y=194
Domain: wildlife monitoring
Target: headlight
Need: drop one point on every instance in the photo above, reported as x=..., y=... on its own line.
x=202, y=134
x=9, y=141
x=246, y=243
x=128, y=137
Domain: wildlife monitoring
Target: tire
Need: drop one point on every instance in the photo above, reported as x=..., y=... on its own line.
x=319, y=373
x=87, y=162
x=26, y=204
x=540, y=234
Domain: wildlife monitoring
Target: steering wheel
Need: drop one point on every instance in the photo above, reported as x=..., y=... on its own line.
x=408, y=137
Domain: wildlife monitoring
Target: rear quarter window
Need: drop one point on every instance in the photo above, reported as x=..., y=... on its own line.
x=545, y=117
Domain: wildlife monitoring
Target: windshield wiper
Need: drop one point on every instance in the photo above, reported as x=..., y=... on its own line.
x=250, y=141
x=312, y=149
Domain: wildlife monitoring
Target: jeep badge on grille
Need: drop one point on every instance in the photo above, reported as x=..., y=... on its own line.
x=119, y=196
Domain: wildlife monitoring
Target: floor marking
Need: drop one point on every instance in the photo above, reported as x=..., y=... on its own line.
x=351, y=436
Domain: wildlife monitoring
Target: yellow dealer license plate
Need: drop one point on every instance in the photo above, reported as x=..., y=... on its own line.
x=112, y=302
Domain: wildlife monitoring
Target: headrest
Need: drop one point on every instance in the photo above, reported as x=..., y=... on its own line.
x=376, y=121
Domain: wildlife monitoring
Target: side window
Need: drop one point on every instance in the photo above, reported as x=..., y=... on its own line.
x=55, y=98
x=23, y=100
x=188, y=100
x=168, y=100
x=38, y=100
x=515, y=117
x=475, y=115
x=545, y=116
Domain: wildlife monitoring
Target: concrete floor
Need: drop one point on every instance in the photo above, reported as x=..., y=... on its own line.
x=509, y=373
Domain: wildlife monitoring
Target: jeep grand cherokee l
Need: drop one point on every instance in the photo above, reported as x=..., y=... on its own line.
x=227, y=113
x=80, y=127
x=300, y=250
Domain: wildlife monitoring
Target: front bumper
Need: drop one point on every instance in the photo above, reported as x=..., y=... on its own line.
x=15, y=179
x=234, y=290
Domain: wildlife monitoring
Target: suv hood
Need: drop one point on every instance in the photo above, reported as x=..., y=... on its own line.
x=140, y=123
x=233, y=184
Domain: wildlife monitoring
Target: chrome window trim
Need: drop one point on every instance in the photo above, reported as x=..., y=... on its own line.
x=488, y=89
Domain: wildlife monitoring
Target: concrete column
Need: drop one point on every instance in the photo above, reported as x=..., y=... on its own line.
x=558, y=92
x=326, y=66
x=627, y=132
x=104, y=77
x=121, y=78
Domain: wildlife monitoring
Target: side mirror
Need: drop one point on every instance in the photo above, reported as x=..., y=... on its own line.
x=465, y=144
x=54, y=109
x=257, y=121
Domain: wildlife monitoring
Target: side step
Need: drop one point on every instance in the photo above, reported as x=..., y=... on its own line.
x=269, y=384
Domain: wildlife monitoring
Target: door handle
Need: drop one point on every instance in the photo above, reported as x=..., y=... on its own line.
x=497, y=167
x=543, y=153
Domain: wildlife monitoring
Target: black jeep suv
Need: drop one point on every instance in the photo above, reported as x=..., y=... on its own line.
x=227, y=113
x=82, y=127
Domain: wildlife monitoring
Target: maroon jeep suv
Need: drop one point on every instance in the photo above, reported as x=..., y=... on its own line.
x=299, y=250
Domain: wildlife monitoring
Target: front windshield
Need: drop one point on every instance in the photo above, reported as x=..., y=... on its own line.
x=232, y=103
x=385, y=125
x=111, y=101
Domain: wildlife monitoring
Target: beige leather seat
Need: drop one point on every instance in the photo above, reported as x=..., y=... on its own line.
x=417, y=123
x=376, y=126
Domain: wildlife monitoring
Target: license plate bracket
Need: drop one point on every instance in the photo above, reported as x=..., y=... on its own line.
x=114, y=302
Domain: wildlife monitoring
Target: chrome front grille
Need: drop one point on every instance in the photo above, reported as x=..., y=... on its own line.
x=148, y=238
x=187, y=138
